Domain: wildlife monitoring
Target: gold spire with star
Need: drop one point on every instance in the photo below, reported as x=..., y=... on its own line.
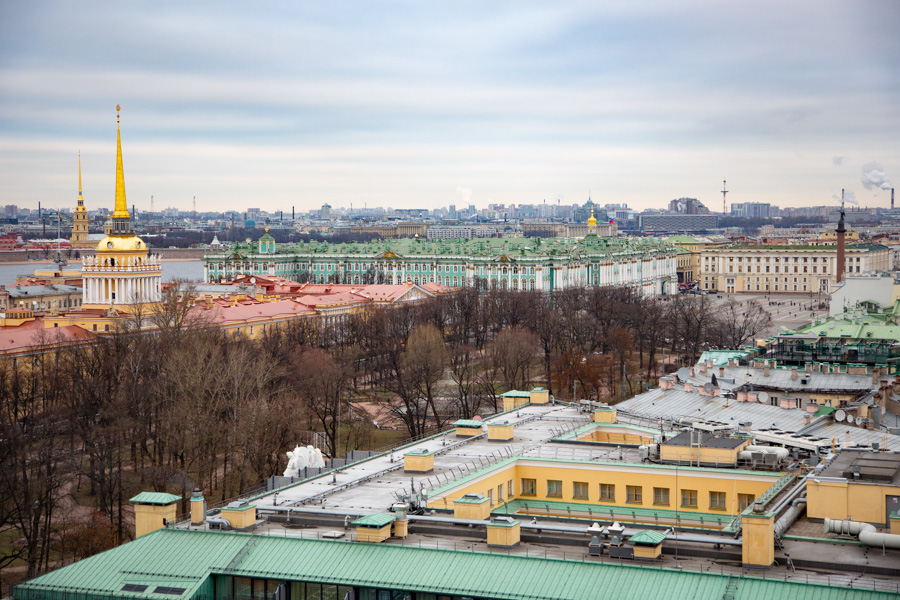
x=80, y=196
x=121, y=209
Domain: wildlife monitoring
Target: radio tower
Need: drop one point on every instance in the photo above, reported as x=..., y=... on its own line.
x=195, y=208
x=724, y=191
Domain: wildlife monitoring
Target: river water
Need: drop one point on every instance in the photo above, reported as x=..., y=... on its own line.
x=186, y=270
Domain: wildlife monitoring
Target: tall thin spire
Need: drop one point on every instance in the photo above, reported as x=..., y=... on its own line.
x=121, y=209
x=80, y=197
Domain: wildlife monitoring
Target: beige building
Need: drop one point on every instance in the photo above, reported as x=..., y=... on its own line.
x=785, y=269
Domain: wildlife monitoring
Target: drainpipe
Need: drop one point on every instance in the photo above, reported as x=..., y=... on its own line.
x=866, y=533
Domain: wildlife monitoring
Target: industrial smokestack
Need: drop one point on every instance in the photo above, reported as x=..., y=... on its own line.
x=892, y=198
x=292, y=213
x=282, y=216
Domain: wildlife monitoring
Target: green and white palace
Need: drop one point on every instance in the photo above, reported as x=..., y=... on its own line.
x=506, y=263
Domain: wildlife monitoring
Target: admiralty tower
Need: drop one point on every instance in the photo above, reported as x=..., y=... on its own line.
x=122, y=272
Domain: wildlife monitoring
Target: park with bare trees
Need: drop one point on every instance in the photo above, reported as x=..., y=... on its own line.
x=186, y=406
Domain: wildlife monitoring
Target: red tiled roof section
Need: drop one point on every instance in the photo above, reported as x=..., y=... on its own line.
x=13, y=339
x=221, y=313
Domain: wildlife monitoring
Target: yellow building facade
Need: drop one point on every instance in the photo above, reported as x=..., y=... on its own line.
x=785, y=269
x=622, y=485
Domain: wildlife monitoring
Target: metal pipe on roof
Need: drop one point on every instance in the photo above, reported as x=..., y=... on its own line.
x=866, y=533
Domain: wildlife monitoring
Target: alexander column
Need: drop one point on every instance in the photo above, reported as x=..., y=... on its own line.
x=841, y=230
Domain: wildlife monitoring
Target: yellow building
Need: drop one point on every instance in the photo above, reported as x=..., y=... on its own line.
x=861, y=485
x=785, y=269
x=690, y=250
x=79, y=237
x=625, y=491
x=122, y=272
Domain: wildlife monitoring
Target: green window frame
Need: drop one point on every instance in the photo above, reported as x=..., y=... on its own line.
x=529, y=487
x=554, y=488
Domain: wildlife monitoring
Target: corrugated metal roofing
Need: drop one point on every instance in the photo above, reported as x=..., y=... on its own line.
x=648, y=538
x=516, y=394
x=187, y=558
x=375, y=520
x=155, y=498
x=468, y=423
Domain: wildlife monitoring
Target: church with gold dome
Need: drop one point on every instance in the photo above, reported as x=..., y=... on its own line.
x=122, y=272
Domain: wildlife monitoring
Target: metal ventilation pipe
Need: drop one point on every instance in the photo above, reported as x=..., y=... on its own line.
x=866, y=533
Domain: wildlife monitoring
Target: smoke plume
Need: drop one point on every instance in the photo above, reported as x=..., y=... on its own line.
x=874, y=177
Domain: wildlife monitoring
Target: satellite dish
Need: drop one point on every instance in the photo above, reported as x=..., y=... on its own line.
x=763, y=397
x=684, y=373
x=839, y=416
x=709, y=388
x=850, y=419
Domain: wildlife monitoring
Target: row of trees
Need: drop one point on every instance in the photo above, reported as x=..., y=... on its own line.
x=189, y=405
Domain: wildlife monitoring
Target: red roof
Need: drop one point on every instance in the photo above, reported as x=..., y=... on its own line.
x=18, y=339
x=221, y=315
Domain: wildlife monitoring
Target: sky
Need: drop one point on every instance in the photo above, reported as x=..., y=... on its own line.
x=425, y=104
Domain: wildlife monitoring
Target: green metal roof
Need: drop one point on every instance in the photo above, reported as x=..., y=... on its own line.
x=648, y=538
x=516, y=394
x=155, y=498
x=486, y=249
x=468, y=423
x=720, y=358
x=471, y=499
x=824, y=410
x=184, y=558
x=376, y=520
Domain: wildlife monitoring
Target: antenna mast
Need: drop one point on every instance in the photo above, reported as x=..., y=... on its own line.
x=724, y=191
x=195, y=208
x=151, y=204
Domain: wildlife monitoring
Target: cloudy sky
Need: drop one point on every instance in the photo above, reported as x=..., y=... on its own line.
x=411, y=104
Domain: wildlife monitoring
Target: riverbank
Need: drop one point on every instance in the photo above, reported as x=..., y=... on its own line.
x=36, y=257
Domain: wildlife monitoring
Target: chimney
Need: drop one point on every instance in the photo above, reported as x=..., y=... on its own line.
x=689, y=387
x=793, y=373
x=892, y=198
x=691, y=371
x=198, y=507
x=808, y=367
x=807, y=418
x=703, y=367
x=766, y=369
x=721, y=371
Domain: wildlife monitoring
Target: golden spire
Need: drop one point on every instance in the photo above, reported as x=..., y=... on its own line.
x=80, y=198
x=121, y=209
x=592, y=221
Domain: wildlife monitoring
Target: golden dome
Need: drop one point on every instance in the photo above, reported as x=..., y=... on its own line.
x=121, y=243
x=592, y=221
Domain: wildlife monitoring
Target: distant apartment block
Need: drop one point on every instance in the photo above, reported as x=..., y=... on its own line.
x=675, y=223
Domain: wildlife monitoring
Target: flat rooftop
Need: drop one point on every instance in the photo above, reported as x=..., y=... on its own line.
x=872, y=467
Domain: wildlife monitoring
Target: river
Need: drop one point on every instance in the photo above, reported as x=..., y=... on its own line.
x=186, y=270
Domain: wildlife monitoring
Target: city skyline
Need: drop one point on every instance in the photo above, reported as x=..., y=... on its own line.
x=421, y=106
